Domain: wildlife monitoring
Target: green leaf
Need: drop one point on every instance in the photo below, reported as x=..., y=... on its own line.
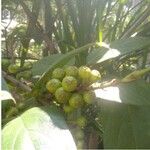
x=135, y=93
x=95, y=55
x=117, y=48
x=130, y=44
x=5, y=94
x=42, y=65
x=38, y=129
x=7, y=100
x=4, y=85
x=125, y=126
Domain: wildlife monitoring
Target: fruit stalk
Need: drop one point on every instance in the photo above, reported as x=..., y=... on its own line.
x=16, y=82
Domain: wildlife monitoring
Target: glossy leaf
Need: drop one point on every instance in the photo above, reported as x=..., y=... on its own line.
x=4, y=84
x=135, y=93
x=118, y=47
x=5, y=94
x=38, y=128
x=95, y=55
x=125, y=126
x=130, y=44
x=42, y=65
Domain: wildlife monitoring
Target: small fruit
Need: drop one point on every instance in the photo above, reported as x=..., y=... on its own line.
x=13, y=68
x=76, y=100
x=58, y=73
x=5, y=64
x=68, y=109
x=27, y=65
x=81, y=121
x=25, y=74
x=72, y=71
x=89, y=97
x=61, y=95
x=53, y=85
x=95, y=76
x=84, y=72
x=19, y=75
x=69, y=83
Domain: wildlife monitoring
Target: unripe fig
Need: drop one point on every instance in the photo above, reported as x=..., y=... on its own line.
x=81, y=121
x=5, y=64
x=68, y=109
x=95, y=76
x=84, y=72
x=27, y=65
x=19, y=76
x=72, y=71
x=13, y=68
x=76, y=100
x=25, y=74
x=61, y=95
x=58, y=73
x=69, y=83
x=88, y=96
x=53, y=85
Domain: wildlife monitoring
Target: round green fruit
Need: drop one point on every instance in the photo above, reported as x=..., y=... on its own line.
x=95, y=76
x=27, y=65
x=76, y=100
x=58, y=73
x=53, y=85
x=19, y=75
x=72, y=71
x=81, y=122
x=69, y=83
x=84, y=72
x=68, y=109
x=5, y=64
x=25, y=74
x=89, y=97
x=61, y=95
x=13, y=68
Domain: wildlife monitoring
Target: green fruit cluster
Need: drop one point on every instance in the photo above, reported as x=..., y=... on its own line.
x=5, y=64
x=15, y=69
x=68, y=88
x=78, y=135
x=24, y=74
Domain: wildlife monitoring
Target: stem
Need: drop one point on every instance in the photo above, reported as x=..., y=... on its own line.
x=102, y=85
x=16, y=82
